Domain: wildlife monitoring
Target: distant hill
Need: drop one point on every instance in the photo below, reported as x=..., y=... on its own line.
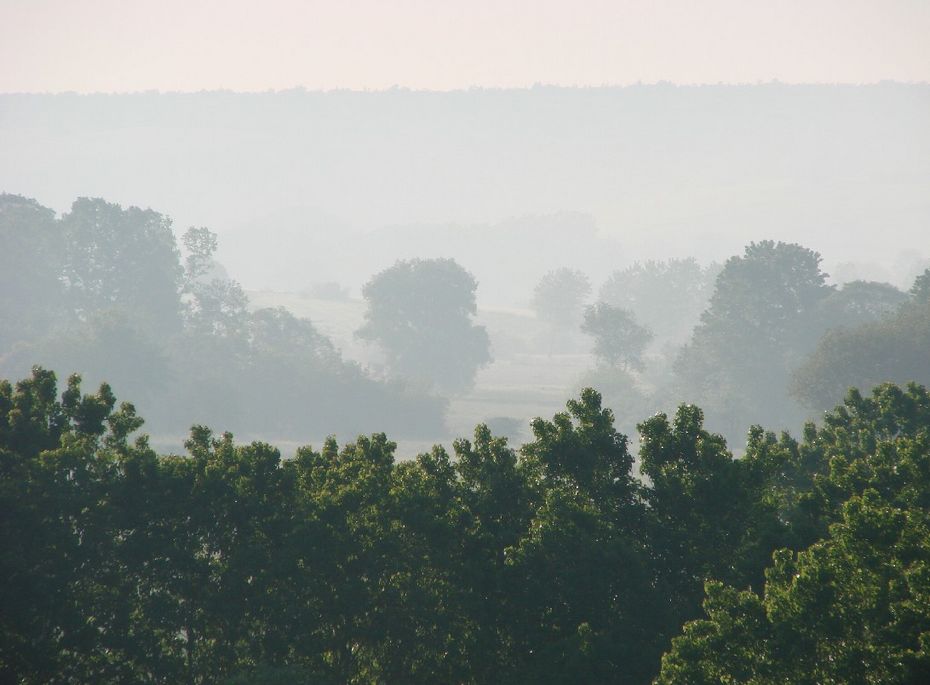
x=295, y=182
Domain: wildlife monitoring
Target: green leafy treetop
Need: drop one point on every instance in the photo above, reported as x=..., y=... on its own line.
x=852, y=607
x=551, y=563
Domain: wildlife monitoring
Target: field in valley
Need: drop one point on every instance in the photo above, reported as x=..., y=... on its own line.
x=523, y=381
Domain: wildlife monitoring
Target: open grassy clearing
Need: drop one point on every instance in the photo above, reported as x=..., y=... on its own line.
x=523, y=381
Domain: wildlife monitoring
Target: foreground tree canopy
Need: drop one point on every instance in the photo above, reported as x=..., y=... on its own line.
x=550, y=563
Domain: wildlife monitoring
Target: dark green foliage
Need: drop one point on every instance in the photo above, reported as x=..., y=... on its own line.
x=586, y=594
x=550, y=564
x=623, y=392
x=852, y=607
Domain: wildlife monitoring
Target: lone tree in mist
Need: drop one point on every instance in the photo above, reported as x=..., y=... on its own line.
x=559, y=297
x=420, y=313
x=618, y=339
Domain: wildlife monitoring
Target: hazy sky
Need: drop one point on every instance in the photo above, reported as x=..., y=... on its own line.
x=129, y=45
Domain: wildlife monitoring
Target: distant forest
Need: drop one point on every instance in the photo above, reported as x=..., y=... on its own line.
x=111, y=293
x=105, y=291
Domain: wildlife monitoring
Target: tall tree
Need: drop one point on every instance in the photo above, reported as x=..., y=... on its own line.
x=710, y=515
x=921, y=288
x=585, y=584
x=30, y=267
x=123, y=259
x=760, y=323
x=420, y=313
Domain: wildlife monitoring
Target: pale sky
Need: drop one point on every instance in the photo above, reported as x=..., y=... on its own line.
x=187, y=45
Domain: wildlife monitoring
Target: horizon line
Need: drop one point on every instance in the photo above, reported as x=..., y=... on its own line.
x=397, y=88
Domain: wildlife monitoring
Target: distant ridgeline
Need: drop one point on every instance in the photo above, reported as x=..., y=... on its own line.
x=800, y=562
x=662, y=170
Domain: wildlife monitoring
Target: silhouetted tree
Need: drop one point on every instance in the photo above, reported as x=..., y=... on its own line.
x=921, y=288
x=420, y=313
x=102, y=291
x=761, y=321
x=122, y=259
x=31, y=256
x=858, y=302
x=618, y=338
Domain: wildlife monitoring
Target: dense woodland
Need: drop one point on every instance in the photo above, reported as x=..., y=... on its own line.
x=803, y=561
x=581, y=555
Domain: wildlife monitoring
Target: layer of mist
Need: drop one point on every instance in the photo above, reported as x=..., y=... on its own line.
x=304, y=187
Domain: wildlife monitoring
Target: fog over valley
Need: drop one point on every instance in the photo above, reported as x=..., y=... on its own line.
x=595, y=351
